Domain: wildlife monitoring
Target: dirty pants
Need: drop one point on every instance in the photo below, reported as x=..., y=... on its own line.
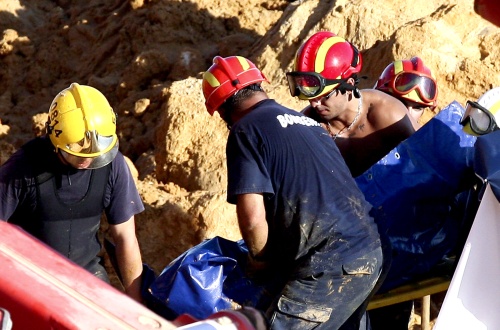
x=333, y=299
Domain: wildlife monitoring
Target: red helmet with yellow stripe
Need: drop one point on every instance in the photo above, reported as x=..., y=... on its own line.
x=409, y=80
x=225, y=77
x=327, y=56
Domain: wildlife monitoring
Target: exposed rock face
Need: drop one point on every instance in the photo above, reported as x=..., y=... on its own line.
x=147, y=58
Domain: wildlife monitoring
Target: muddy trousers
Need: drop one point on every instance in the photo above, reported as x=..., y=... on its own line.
x=334, y=299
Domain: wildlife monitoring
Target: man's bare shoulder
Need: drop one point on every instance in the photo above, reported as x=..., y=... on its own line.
x=383, y=109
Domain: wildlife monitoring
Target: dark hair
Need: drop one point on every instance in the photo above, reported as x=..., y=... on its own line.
x=234, y=102
x=237, y=98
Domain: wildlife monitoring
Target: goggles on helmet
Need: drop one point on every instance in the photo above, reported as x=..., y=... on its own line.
x=307, y=85
x=480, y=119
x=405, y=82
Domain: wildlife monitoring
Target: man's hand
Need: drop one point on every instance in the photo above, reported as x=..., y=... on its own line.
x=256, y=269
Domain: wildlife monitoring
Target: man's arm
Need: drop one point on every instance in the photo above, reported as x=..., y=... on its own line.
x=252, y=222
x=128, y=257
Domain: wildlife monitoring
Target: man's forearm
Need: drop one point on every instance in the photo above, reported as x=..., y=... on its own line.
x=128, y=257
x=130, y=265
x=252, y=222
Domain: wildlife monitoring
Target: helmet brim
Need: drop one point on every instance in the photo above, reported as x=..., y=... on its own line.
x=104, y=159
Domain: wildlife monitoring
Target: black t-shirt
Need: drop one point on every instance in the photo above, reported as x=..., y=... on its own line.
x=312, y=202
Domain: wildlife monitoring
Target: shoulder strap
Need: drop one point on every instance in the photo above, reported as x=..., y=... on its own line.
x=40, y=152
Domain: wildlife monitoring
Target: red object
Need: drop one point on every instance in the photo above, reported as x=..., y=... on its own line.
x=489, y=10
x=43, y=290
x=225, y=77
x=329, y=55
x=409, y=80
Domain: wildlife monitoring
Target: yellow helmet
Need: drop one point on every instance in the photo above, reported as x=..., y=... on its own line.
x=83, y=124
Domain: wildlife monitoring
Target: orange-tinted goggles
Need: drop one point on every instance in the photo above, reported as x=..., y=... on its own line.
x=308, y=85
x=405, y=82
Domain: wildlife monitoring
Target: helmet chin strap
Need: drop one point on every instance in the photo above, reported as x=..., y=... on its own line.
x=344, y=86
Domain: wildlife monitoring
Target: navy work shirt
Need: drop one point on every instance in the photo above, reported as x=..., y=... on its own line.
x=18, y=189
x=312, y=203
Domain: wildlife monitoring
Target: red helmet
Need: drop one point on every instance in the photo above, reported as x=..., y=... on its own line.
x=409, y=80
x=329, y=55
x=489, y=10
x=225, y=77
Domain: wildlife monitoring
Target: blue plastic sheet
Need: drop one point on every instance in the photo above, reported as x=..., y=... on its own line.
x=414, y=189
x=204, y=280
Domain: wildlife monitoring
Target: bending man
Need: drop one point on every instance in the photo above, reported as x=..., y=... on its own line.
x=300, y=212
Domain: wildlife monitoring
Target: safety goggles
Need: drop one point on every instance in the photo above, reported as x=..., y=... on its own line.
x=405, y=82
x=307, y=85
x=480, y=119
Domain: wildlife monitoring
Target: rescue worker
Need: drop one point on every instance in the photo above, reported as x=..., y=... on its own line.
x=56, y=187
x=411, y=82
x=365, y=124
x=300, y=212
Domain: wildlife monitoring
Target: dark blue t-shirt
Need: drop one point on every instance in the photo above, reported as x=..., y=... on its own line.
x=18, y=189
x=312, y=202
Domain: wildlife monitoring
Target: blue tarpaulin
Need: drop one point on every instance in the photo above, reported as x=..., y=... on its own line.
x=204, y=280
x=414, y=190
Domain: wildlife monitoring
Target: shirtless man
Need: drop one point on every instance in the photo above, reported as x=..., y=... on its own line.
x=365, y=124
